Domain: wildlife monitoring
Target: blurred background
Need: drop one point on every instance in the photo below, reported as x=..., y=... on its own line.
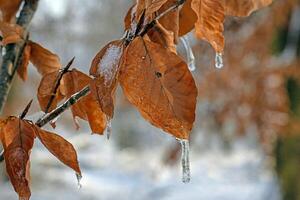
x=246, y=140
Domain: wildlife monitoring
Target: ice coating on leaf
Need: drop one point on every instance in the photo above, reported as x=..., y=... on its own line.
x=79, y=177
x=109, y=60
x=185, y=160
x=219, y=61
x=189, y=53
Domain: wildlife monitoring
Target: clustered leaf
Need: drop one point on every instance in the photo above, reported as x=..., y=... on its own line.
x=17, y=137
x=144, y=62
x=73, y=81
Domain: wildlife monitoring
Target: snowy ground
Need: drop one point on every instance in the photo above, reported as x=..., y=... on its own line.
x=110, y=173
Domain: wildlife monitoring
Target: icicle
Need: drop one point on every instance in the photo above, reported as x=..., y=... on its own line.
x=79, y=177
x=108, y=129
x=189, y=53
x=185, y=160
x=219, y=60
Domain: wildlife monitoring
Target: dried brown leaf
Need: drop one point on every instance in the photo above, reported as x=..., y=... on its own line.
x=209, y=25
x=46, y=91
x=9, y=8
x=86, y=108
x=60, y=148
x=44, y=60
x=160, y=85
x=17, y=137
x=11, y=33
x=162, y=36
x=105, y=67
x=187, y=18
x=22, y=69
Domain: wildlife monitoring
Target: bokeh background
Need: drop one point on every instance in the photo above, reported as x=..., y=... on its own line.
x=246, y=140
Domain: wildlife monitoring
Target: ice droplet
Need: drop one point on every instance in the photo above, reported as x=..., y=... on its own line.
x=79, y=177
x=189, y=53
x=219, y=60
x=108, y=129
x=185, y=160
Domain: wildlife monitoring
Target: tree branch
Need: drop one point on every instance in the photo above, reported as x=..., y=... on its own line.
x=14, y=51
x=60, y=109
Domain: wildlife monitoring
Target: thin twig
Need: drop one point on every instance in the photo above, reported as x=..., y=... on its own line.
x=57, y=83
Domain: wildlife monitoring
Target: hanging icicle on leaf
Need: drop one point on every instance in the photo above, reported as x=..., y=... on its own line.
x=189, y=53
x=79, y=177
x=185, y=160
x=219, y=61
x=108, y=129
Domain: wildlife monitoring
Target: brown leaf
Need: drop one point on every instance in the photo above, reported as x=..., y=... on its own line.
x=44, y=60
x=11, y=33
x=17, y=138
x=209, y=25
x=153, y=6
x=22, y=69
x=187, y=18
x=105, y=67
x=86, y=108
x=46, y=90
x=170, y=21
x=9, y=8
x=60, y=148
x=244, y=7
x=162, y=36
x=128, y=20
x=160, y=85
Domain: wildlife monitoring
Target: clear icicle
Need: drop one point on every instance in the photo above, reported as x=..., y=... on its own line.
x=185, y=160
x=79, y=177
x=108, y=129
x=189, y=53
x=219, y=60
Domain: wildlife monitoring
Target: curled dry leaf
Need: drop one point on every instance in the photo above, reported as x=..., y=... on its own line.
x=170, y=21
x=9, y=8
x=153, y=6
x=187, y=18
x=160, y=85
x=22, y=69
x=128, y=20
x=86, y=108
x=60, y=148
x=105, y=69
x=11, y=33
x=46, y=91
x=162, y=36
x=17, y=137
x=44, y=60
x=209, y=25
x=244, y=7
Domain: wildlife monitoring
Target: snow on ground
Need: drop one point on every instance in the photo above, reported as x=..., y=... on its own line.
x=111, y=174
